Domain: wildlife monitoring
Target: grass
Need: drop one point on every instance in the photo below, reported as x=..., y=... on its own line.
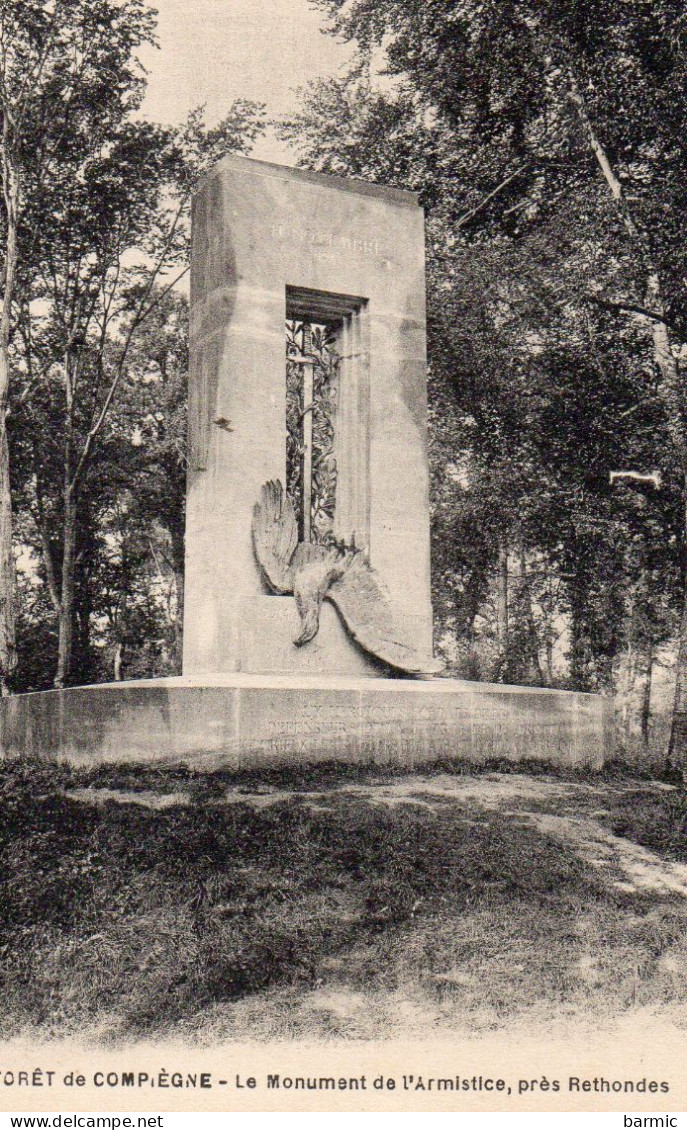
x=658, y=822
x=321, y=913
x=297, y=778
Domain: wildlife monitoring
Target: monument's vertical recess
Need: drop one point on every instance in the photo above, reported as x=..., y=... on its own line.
x=260, y=232
x=352, y=519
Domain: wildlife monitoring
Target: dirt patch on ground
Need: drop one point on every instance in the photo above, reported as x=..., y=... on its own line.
x=543, y=802
x=147, y=798
x=490, y=791
x=628, y=867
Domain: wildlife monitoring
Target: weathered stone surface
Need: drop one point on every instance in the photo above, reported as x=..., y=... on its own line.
x=267, y=635
x=262, y=233
x=239, y=721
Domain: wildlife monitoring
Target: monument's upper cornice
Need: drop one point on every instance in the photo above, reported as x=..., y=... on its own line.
x=398, y=196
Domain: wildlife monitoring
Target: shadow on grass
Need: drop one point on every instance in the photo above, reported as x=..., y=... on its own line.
x=150, y=915
x=113, y=912
x=313, y=777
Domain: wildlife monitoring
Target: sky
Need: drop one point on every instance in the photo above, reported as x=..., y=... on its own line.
x=213, y=51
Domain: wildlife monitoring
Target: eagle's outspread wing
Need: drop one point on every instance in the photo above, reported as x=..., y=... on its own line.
x=275, y=536
x=371, y=618
x=316, y=572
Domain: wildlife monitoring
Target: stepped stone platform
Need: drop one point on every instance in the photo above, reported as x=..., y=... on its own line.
x=242, y=721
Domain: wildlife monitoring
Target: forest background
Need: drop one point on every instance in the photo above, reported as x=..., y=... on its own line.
x=547, y=143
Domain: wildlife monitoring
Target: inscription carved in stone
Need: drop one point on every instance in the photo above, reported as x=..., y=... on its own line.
x=293, y=231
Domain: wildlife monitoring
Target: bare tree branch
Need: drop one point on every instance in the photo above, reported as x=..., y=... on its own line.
x=467, y=216
x=627, y=307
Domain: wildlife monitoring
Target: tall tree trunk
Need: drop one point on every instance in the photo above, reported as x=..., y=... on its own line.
x=502, y=610
x=677, y=745
x=8, y=652
x=672, y=392
x=82, y=668
x=11, y=194
x=534, y=670
x=65, y=619
x=66, y=611
x=626, y=692
x=549, y=631
x=583, y=671
x=645, y=709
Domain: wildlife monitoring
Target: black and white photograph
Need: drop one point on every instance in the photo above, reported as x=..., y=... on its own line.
x=343, y=555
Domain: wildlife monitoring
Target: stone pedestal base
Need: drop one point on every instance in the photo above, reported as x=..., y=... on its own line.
x=247, y=721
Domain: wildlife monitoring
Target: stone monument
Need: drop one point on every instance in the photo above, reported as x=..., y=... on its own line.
x=274, y=246
x=307, y=603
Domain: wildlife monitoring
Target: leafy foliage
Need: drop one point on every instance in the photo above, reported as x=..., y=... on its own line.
x=545, y=142
x=102, y=232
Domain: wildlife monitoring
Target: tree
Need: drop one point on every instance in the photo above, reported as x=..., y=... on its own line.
x=547, y=142
x=133, y=205
x=66, y=67
x=99, y=240
x=144, y=523
x=128, y=592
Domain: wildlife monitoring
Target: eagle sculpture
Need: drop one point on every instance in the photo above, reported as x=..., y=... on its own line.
x=339, y=574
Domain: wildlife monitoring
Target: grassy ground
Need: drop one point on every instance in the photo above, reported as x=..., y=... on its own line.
x=337, y=902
